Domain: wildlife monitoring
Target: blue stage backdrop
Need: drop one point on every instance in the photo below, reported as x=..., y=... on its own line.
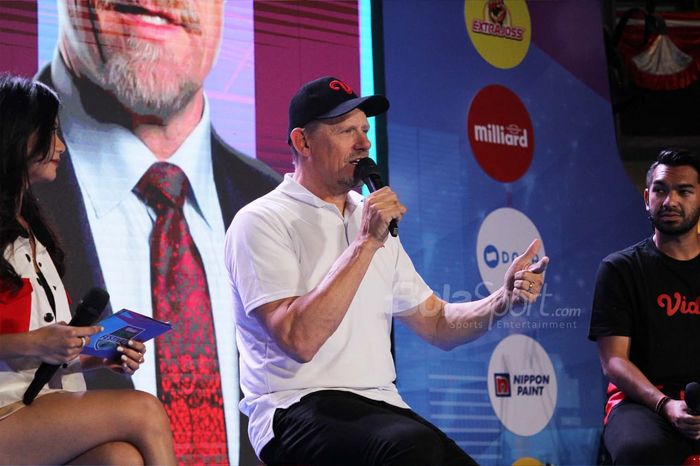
x=500, y=130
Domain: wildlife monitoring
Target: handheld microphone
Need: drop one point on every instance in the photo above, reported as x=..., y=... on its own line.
x=368, y=172
x=87, y=313
x=692, y=397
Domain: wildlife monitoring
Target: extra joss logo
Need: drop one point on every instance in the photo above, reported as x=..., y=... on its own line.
x=499, y=30
x=497, y=22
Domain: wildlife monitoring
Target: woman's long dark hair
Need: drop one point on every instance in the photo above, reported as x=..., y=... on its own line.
x=26, y=108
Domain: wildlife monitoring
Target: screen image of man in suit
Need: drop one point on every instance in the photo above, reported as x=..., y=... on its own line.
x=145, y=194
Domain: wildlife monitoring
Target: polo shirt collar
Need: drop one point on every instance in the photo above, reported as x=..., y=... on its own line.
x=293, y=189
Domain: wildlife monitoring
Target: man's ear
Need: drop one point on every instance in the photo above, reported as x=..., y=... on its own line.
x=299, y=141
x=646, y=198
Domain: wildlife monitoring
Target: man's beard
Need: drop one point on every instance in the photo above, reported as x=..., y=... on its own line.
x=348, y=183
x=145, y=85
x=689, y=222
x=142, y=76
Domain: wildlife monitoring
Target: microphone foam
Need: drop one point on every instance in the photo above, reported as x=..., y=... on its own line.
x=364, y=168
x=692, y=396
x=96, y=298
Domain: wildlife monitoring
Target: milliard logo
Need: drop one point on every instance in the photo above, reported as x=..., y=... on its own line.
x=499, y=30
x=500, y=133
x=511, y=135
x=522, y=385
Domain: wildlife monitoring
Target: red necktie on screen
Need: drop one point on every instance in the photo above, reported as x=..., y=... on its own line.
x=187, y=368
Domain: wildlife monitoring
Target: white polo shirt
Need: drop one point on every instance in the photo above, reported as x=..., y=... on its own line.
x=283, y=245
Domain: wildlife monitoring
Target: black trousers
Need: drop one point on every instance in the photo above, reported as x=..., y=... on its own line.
x=340, y=428
x=637, y=435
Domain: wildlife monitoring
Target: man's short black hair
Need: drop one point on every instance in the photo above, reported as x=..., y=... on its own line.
x=674, y=158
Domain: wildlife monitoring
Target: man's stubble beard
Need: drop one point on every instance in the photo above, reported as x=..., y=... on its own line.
x=689, y=223
x=143, y=84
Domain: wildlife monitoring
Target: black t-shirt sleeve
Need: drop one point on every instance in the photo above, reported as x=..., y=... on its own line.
x=611, y=314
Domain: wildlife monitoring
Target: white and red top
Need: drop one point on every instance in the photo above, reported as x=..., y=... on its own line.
x=28, y=310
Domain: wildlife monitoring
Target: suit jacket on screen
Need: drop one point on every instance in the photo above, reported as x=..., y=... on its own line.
x=239, y=180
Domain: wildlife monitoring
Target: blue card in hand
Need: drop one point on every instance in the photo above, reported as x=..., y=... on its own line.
x=121, y=327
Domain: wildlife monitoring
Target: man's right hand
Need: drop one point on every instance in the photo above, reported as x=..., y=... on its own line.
x=678, y=414
x=381, y=207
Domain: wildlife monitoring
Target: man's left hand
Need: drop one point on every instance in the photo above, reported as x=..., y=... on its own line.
x=524, y=280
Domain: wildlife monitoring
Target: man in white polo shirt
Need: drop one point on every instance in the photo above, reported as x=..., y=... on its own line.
x=317, y=281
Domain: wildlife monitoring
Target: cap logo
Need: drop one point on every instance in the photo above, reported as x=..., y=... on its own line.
x=338, y=85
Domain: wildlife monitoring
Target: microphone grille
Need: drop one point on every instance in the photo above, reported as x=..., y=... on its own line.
x=366, y=167
x=692, y=396
x=96, y=298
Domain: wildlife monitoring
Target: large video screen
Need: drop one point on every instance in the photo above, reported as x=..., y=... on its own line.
x=201, y=85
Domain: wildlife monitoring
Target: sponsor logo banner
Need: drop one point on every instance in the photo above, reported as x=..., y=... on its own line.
x=499, y=29
x=522, y=385
x=500, y=133
x=504, y=234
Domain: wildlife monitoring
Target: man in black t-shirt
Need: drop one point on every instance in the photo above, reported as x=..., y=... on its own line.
x=646, y=321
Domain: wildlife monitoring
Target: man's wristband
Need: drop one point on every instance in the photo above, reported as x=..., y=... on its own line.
x=660, y=404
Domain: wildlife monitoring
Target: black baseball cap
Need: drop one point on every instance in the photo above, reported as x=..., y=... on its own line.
x=329, y=97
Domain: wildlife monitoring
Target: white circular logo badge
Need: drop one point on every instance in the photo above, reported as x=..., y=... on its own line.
x=522, y=385
x=504, y=235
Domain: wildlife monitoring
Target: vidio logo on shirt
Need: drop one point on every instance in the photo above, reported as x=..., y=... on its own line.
x=678, y=303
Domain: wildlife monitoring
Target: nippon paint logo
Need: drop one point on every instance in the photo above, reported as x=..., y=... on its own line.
x=522, y=385
x=500, y=30
x=502, y=383
x=500, y=133
x=530, y=384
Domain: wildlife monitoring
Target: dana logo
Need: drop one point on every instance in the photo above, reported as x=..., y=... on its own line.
x=500, y=133
x=504, y=235
x=511, y=135
x=497, y=22
x=493, y=257
x=502, y=383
